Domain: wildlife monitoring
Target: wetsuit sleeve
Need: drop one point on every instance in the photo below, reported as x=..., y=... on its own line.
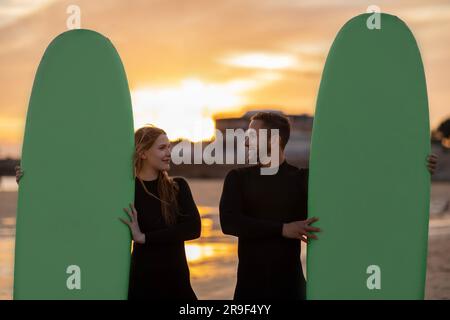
x=188, y=226
x=304, y=175
x=232, y=218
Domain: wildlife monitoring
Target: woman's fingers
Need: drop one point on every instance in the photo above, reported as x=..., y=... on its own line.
x=125, y=221
x=431, y=168
x=432, y=162
x=129, y=213
x=133, y=209
x=19, y=172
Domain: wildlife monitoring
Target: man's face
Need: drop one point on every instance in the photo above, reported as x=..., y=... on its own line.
x=256, y=125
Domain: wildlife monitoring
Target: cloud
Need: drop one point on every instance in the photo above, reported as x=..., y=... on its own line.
x=12, y=10
x=430, y=13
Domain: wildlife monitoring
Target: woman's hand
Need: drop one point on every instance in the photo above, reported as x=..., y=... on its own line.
x=19, y=173
x=138, y=236
x=432, y=163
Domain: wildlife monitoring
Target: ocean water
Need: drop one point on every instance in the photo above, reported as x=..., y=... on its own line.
x=8, y=183
x=212, y=258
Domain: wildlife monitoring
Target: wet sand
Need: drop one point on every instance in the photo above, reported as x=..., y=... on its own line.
x=213, y=258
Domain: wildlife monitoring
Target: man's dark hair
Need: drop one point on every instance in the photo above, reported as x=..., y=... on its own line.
x=273, y=120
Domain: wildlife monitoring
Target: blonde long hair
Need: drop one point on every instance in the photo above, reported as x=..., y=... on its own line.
x=168, y=189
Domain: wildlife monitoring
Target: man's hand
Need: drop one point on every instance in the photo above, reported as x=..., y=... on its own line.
x=300, y=230
x=432, y=163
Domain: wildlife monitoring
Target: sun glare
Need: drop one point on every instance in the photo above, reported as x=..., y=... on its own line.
x=262, y=61
x=186, y=111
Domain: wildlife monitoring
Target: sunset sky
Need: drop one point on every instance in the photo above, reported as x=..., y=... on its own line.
x=203, y=58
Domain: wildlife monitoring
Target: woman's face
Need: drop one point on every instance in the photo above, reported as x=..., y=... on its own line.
x=158, y=156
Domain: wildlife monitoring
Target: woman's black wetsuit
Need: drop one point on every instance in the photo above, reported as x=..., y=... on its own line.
x=159, y=268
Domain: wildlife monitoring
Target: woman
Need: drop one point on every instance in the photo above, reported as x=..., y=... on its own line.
x=163, y=216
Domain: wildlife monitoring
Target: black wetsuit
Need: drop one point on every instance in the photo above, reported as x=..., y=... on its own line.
x=253, y=207
x=159, y=268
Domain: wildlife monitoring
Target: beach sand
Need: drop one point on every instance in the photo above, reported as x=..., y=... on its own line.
x=213, y=258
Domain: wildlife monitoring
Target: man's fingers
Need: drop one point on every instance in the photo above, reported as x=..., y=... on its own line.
x=310, y=235
x=313, y=229
x=304, y=239
x=312, y=220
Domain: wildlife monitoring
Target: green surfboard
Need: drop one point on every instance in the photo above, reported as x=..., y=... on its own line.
x=77, y=162
x=369, y=184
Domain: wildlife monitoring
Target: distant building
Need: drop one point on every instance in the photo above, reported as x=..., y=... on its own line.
x=302, y=123
x=299, y=123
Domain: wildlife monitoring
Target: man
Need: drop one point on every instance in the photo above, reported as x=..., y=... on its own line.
x=268, y=215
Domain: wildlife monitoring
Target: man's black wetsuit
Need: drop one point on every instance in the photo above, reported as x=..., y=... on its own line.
x=253, y=207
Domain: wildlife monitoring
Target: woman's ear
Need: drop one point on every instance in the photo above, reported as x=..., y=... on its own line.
x=143, y=155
